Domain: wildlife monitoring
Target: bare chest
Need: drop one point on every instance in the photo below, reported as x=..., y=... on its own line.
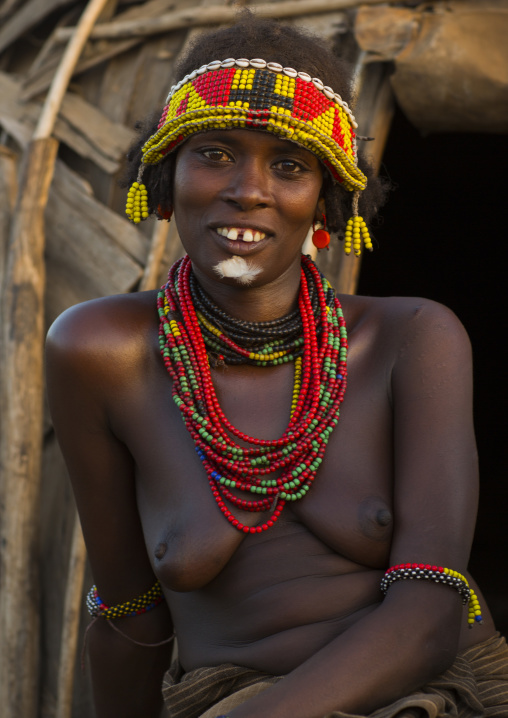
x=347, y=510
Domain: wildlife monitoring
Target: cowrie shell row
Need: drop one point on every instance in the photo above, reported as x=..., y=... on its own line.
x=260, y=64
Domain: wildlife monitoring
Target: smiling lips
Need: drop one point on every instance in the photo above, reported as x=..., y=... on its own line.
x=240, y=233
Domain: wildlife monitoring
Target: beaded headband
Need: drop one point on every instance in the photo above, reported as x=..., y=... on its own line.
x=239, y=94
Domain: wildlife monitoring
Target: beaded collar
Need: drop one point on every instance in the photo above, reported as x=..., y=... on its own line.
x=254, y=474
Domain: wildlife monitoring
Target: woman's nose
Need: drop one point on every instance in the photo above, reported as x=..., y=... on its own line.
x=248, y=186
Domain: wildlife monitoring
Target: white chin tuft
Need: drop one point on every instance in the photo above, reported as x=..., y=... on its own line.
x=237, y=268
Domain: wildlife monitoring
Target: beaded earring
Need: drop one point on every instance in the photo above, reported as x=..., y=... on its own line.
x=320, y=237
x=356, y=230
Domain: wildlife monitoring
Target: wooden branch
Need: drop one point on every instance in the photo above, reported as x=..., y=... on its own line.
x=212, y=15
x=30, y=15
x=39, y=81
x=65, y=70
x=21, y=403
x=150, y=276
x=70, y=628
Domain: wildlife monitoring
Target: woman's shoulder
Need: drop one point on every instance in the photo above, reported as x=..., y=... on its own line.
x=109, y=318
x=406, y=326
x=104, y=332
x=401, y=313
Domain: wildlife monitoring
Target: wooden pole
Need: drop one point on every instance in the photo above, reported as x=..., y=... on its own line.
x=70, y=628
x=212, y=15
x=155, y=254
x=21, y=403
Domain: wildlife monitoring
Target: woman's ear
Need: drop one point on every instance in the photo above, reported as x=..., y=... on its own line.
x=320, y=210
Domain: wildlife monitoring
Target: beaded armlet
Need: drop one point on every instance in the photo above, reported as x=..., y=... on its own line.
x=142, y=604
x=438, y=574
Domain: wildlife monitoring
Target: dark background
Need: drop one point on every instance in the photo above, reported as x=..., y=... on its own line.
x=443, y=236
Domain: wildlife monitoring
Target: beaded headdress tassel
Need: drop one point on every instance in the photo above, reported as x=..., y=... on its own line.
x=239, y=94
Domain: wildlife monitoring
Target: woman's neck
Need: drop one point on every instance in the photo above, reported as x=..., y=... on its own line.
x=253, y=303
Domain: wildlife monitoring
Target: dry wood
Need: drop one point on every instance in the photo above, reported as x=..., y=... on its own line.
x=8, y=192
x=65, y=70
x=80, y=125
x=155, y=255
x=85, y=240
x=21, y=405
x=70, y=628
x=30, y=15
x=214, y=14
x=39, y=81
x=8, y=7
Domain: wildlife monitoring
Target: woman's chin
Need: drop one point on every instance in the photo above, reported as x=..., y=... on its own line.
x=244, y=271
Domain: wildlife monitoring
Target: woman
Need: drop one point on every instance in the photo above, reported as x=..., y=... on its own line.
x=269, y=523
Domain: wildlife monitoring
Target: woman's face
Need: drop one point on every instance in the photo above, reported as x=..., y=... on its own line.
x=245, y=193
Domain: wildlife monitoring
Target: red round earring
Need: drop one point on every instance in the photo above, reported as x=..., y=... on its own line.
x=320, y=237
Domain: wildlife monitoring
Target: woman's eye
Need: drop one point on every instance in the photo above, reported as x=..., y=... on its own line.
x=217, y=155
x=289, y=166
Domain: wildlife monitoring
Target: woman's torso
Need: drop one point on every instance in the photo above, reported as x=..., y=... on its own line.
x=270, y=600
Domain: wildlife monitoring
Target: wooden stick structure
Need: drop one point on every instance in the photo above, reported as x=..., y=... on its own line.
x=214, y=14
x=21, y=401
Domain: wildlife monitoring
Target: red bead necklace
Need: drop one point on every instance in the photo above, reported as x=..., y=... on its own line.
x=299, y=452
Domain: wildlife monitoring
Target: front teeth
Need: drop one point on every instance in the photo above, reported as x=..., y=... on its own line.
x=247, y=235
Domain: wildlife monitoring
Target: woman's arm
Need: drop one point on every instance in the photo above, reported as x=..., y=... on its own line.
x=86, y=374
x=413, y=635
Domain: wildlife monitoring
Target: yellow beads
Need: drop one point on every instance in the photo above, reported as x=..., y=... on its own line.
x=297, y=384
x=356, y=230
x=209, y=326
x=474, y=613
x=136, y=207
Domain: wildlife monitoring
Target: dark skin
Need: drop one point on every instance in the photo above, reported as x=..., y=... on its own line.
x=398, y=483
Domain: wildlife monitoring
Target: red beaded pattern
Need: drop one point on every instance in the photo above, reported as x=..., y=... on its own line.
x=297, y=109
x=297, y=455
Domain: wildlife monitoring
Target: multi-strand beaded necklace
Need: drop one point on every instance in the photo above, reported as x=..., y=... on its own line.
x=314, y=336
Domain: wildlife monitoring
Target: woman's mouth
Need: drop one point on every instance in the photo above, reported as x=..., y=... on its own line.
x=241, y=233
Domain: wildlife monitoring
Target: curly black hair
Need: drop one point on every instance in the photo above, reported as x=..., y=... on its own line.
x=291, y=47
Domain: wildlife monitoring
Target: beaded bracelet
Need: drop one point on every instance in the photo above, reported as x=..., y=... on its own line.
x=439, y=575
x=142, y=604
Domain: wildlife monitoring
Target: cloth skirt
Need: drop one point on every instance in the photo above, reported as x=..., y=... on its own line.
x=475, y=686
